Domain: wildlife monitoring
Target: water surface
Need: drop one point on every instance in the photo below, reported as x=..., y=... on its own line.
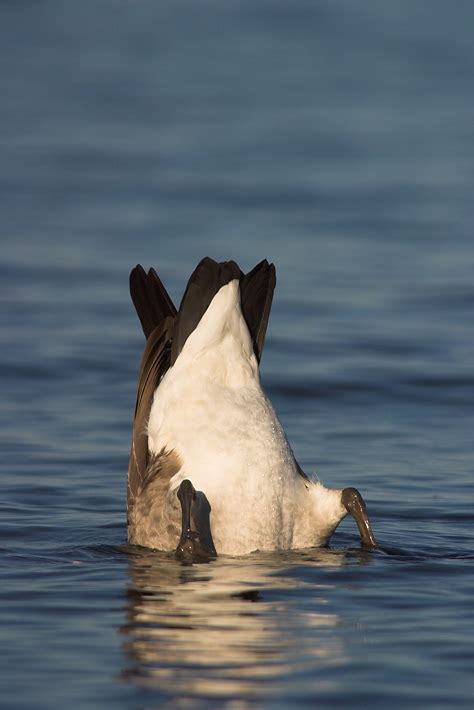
x=336, y=140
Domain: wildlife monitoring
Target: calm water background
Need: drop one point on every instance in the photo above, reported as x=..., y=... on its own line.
x=335, y=138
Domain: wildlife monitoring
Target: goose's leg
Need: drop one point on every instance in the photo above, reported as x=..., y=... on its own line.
x=186, y=495
x=190, y=545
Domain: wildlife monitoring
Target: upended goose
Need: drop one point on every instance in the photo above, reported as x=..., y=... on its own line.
x=210, y=469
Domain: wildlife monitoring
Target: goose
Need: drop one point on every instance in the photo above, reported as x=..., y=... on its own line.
x=211, y=470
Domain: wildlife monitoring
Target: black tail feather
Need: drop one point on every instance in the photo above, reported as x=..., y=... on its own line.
x=205, y=281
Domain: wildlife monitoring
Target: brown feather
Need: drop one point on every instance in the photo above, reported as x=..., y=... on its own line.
x=154, y=364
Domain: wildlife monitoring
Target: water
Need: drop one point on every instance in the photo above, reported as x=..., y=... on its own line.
x=336, y=139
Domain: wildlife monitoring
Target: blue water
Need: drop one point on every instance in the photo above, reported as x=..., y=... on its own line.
x=336, y=139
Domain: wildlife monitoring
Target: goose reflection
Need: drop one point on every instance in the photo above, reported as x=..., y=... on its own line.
x=223, y=628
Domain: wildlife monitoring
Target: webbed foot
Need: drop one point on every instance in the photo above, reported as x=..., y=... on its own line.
x=190, y=546
x=355, y=505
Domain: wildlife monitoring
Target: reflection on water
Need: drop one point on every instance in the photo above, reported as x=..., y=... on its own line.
x=226, y=627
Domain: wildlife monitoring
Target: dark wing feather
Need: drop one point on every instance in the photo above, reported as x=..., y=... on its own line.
x=155, y=362
x=256, y=295
x=150, y=298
